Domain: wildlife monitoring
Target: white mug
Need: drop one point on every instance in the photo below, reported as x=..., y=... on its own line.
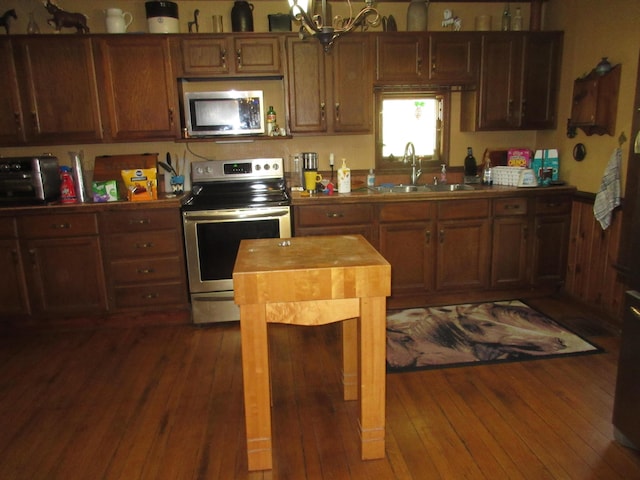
x=117, y=21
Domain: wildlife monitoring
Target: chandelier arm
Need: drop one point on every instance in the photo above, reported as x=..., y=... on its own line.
x=301, y=16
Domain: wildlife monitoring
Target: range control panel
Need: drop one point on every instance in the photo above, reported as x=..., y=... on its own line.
x=220, y=170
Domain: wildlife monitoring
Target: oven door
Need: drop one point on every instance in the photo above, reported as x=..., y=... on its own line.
x=212, y=239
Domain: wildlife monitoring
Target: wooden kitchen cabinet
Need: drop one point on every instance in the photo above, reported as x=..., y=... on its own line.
x=454, y=58
x=464, y=245
x=510, y=243
x=338, y=219
x=552, y=223
x=519, y=79
x=14, y=298
x=400, y=58
x=11, y=114
x=60, y=93
x=208, y=55
x=144, y=259
x=138, y=88
x=407, y=240
x=63, y=263
x=329, y=92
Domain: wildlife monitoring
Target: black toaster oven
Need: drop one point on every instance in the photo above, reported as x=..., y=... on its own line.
x=29, y=180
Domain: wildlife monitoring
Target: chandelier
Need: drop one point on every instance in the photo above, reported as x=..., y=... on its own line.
x=327, y=30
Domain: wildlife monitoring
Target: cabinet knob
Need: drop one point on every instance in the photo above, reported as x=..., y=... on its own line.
x=427, y=237
x=239, y=58
x=223, y=57
x=144, y=245
x=337, y=110
x=335, y=214
x=145, y=271
x=60, y=226
x=139, y=221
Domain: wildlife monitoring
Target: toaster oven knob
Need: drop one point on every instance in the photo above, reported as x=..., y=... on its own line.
x=266, y=166
x=258, y=167
x=275, y=166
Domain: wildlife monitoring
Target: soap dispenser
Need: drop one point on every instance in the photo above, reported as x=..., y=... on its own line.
x=443, y=174
x=371, y=178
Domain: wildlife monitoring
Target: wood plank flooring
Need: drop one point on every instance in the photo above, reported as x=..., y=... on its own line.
x=166, y=403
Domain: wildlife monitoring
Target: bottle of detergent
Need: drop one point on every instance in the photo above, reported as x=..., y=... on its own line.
x=344, y=178
x=67, y=188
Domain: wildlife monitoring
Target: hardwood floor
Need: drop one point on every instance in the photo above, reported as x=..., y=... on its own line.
x=166, y=403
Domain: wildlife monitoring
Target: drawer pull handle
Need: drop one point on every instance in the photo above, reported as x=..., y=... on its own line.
x=145, y=271
x=141, y=221
x=60, y=226
x=512, y=207
x=427, y=237
x=635, y=311
x=335, y=214
x=144, y=245
x=150, y=296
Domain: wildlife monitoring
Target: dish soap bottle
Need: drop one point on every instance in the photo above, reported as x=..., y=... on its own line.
x=371, y=178
x=443, y=173
x=67, y=188
x=344, y=178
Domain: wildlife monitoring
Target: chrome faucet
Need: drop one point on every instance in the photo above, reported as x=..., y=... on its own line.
x=416, y=168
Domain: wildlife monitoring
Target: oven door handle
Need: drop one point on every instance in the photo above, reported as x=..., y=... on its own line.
x=235, y=215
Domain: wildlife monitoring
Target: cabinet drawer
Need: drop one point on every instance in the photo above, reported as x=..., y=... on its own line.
x=142, y=220
x=8, y=227
x=455, y=209
x=403, y=212
x=509, y=206
x=59, y=225
x=148, y=296
x=321, y=215
x=552, y=205
x=146, y=270
x=144, y=244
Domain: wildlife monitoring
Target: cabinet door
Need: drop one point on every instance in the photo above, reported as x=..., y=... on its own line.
x=463, y=254
x=408, y=247
x=550, y=249
x=208, y=55
x=351, y=85
x=454, y=57
x=509, y=252
x=500, y=82
x=400, y=57
x=541, y=80
x=307, y=88
x=65, y=275
x=138, y=86
x=58, y=74
x=13, y=290
x=11, y=118
x=257, y=55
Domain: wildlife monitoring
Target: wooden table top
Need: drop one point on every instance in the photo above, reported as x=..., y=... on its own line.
x=309, y=268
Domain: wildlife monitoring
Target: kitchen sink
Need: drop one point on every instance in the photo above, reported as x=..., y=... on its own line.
x=401, y=188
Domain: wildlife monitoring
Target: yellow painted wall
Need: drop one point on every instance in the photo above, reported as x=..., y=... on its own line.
x=593, y=29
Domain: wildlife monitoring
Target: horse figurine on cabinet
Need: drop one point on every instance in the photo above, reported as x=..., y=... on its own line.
x=6, y=19
x=62, y=19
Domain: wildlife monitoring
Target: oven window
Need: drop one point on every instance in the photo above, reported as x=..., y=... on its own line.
x=218, y=244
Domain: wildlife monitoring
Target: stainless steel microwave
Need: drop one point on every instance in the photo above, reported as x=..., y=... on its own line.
x=231, y=112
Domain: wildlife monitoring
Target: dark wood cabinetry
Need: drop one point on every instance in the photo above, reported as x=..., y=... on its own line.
x=339, y=219
x=144, y=258
x=14, y=298
x=59, y=89
x=207, y=55
x=11, y=114
x=326, y=91
x=138, y=88
x=454, y=58
x=400, y=58
x=519, y=75
x=510, y=251
x=63, y=263
x=595, y=102
x=551, y=228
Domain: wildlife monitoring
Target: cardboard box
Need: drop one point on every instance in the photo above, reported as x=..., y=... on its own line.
x=546, y=165
x=519, y=157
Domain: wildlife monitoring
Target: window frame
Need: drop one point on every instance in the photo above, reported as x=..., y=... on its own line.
x=430, y=162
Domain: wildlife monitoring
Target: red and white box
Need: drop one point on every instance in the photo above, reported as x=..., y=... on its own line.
x=519, y=157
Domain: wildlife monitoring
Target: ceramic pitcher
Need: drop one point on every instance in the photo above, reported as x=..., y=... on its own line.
x=117, y=21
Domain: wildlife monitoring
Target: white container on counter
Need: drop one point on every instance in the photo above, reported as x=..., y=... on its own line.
x=344, y=178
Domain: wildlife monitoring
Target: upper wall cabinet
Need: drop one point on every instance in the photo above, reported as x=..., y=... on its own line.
x=138, y=87
x=11, y=115
x=595, y=102
x=60, y=94
x=400, y=58
x=328, y=91
x=454, y=58
x=213, y=55
x=519, y=76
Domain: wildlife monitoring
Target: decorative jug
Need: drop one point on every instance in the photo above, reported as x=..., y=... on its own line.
x=242, y=16
x=117, y=21
x=417, y=16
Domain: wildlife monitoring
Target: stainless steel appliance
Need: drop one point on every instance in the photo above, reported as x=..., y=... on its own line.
x=29, y=180
x=230, y=201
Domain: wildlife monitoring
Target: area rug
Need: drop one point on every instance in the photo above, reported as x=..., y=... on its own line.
x=460, y=335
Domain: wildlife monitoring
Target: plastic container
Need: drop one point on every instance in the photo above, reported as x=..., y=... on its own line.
x=371, y=178
x=67, y=188
x=344, y=178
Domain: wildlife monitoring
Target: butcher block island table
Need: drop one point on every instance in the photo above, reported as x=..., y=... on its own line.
x=314, y=281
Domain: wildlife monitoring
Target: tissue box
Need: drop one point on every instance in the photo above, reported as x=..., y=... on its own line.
x=546, y=164
x=106, y=191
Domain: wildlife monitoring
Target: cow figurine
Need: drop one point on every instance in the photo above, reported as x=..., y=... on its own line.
x=62, y=19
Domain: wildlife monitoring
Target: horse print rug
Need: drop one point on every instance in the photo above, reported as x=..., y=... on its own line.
x=436, y=337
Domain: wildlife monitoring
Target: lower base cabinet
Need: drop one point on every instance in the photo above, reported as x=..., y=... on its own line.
x=14, y=298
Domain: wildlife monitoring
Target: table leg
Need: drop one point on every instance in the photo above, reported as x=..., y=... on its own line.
x=372, y=333
x=255, y=377
x=350, y=358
